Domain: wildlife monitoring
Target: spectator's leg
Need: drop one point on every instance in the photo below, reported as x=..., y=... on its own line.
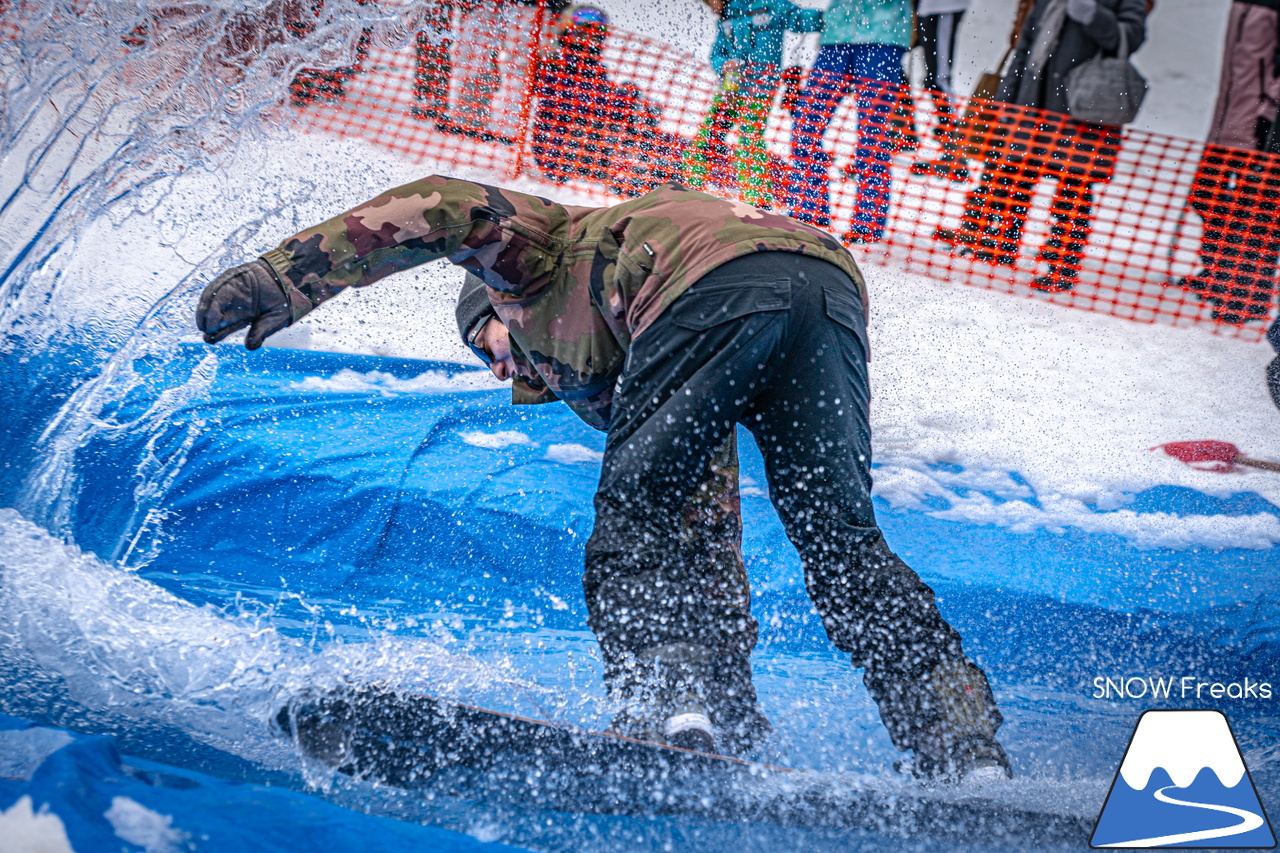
x=807, y=194
x=878, y=71
x=927, y=39
x=430, y=83
x=1210, y=197
x=1221, y=195
x=1072, y=215
x=1273, y=369
x=709, y=145
x=937, y=34
x=476, y=70
x=432, y=68
x=994, y=213
x=1246, y=268
x=948, y=134
x=753, y=153
x=1269, y=232
x=1081, y=155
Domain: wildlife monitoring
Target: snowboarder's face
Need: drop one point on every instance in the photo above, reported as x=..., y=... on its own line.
x=496, y=343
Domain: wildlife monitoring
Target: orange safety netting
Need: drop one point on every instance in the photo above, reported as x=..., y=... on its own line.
x=1136, y=225
x=1132, y=224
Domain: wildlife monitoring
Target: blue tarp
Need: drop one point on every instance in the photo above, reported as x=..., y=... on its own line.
x=350, y=493
x=104, y=801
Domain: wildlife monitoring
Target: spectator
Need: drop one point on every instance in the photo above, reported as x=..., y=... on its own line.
x=861, y=48
x=937, y=24
x=747, y=53
x=581, y=116
x=587, y=126
x=492, y=57
x=1235, y=191
x=1056, y=37
x=431, y=61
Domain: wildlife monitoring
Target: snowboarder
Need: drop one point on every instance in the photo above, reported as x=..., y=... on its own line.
x=668, y=320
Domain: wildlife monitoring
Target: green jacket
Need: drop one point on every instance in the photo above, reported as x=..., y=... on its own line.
x=868, y=22
x=752, y=31
x=573, y=285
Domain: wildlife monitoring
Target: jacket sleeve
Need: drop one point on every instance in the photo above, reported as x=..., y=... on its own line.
x=435, y=217
x=594, y=407
x=799, y=20
x=1105, y=26
x=721, y=48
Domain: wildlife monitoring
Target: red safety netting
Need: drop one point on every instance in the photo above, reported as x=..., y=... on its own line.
x=1136, y=225
x=1140, y=226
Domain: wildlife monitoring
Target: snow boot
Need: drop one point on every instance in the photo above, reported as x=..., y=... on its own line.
x=689, y=696
x=948, y=718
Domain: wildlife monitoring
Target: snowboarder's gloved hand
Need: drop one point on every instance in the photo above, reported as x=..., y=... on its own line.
x=247, y=295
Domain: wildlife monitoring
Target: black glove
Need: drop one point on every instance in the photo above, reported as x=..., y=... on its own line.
x=244, y=295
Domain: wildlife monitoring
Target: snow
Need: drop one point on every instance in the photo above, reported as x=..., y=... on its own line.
x=1069, y=400
x=568, y=454
x=495, y=440
x=354, y=382
x=27, y=831
x=150, y=830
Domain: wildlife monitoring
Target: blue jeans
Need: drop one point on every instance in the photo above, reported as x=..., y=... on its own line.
x=838, y=68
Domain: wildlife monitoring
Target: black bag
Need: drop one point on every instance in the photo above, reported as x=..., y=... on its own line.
x=1106, y=90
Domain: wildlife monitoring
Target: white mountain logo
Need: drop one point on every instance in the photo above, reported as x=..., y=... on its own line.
x=1182, y=783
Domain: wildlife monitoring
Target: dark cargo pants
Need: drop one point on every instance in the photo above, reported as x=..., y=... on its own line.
x=777, y=342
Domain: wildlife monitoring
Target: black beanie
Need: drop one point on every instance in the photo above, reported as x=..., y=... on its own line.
x=473, y=306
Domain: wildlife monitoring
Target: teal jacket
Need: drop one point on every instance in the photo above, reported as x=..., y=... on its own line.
x=868, y=22
x=752, y=31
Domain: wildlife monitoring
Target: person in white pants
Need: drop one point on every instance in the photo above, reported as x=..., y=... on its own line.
x=937, y=23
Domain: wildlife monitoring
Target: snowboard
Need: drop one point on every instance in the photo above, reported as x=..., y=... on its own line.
x=412, y=741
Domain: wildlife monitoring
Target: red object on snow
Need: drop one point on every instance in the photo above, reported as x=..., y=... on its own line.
x=1205, y=455
x=1218, y=456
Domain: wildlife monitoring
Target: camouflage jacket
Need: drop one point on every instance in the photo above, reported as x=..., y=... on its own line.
x=573, y=285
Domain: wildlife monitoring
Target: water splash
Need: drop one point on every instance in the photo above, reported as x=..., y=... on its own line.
x=132, y=651
x=106, y=103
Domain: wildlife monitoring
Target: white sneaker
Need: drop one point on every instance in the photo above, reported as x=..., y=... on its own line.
x=690, y=730
x=986, y=774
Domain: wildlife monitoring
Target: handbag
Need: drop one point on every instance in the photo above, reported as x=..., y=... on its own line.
x=1106, y=90
x=989, y=83
x=973, y=129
